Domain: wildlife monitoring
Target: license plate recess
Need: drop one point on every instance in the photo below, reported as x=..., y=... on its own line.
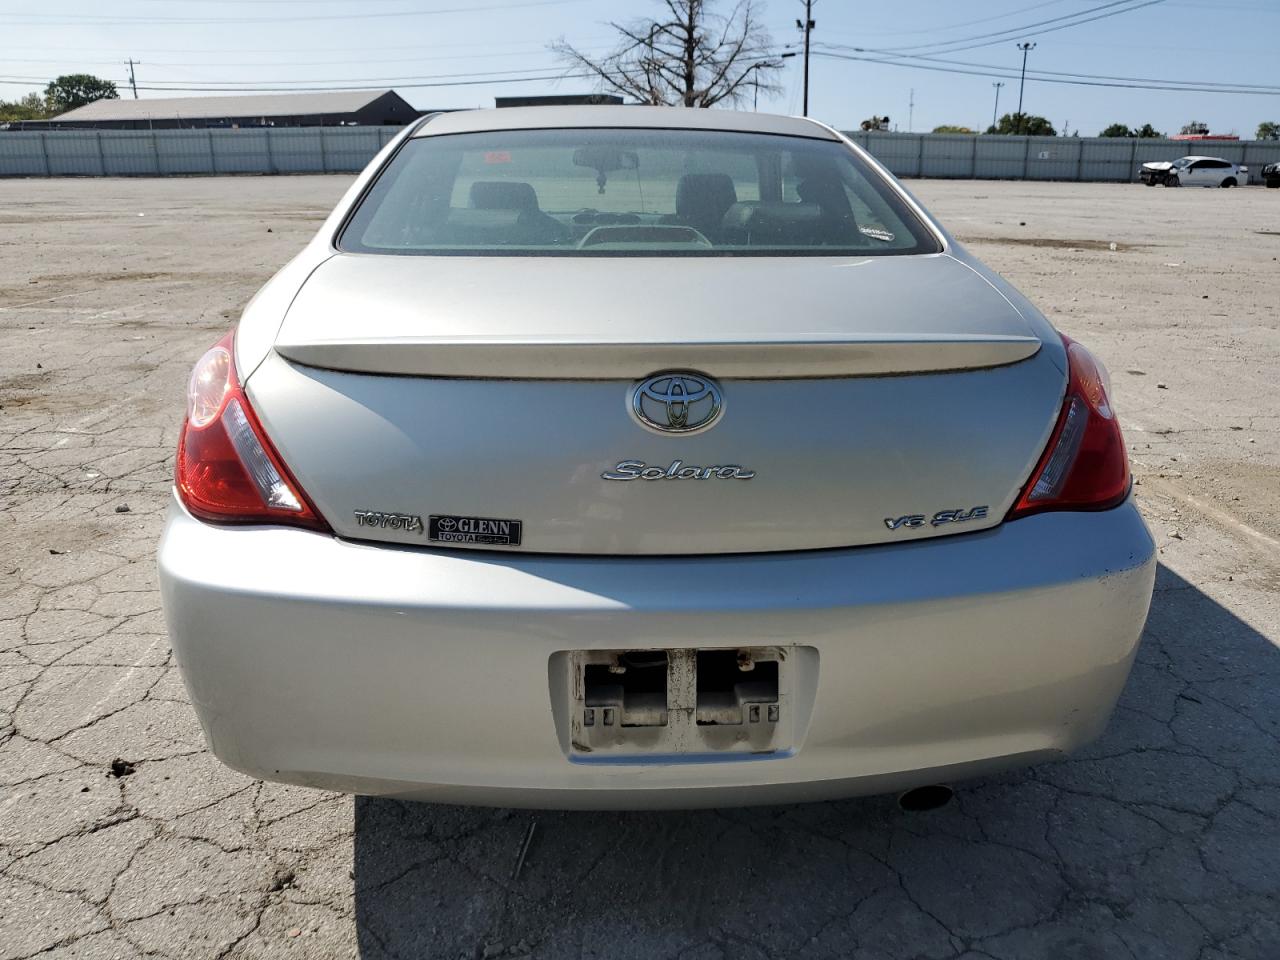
x=709, y=703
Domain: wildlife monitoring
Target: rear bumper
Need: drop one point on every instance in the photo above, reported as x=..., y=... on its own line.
x=425, y=674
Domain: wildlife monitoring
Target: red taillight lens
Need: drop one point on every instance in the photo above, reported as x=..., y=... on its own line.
x=227, y=470
x=1085, y=466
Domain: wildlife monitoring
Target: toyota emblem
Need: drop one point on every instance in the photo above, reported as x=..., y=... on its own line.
x=677, y=402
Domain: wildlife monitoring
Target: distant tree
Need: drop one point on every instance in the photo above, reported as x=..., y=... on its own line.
x=951, y=128
x=1024, y=123
x=691, y=56
x=1194, y=128
x=1117, y=130
x=1148, y=132
x=1268, y=130
x=30, y=107
x=75, y=90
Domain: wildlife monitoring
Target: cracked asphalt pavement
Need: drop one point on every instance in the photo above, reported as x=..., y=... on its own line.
x=120, y=836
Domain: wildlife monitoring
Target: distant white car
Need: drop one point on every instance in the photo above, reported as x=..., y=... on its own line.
x=1194, y=172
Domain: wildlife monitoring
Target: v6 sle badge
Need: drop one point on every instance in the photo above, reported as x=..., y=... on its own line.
x=912, y=520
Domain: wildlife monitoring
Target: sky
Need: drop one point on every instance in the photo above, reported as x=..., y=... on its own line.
x=426, y=48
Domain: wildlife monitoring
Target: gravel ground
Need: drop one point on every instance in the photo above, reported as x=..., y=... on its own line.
x=121, y=837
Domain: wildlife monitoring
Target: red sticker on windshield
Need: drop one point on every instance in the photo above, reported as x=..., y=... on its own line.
x=497, y=156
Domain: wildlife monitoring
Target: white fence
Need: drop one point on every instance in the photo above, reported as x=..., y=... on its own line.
x=1047, y=158
x=151, y=153
x=146, y=153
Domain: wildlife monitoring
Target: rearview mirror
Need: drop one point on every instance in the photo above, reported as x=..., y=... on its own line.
x=606, y=159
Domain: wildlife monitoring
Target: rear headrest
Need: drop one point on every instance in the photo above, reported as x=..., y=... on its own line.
x=827, y=193
x=756, y=214
x=503, y=195
x=705, y=196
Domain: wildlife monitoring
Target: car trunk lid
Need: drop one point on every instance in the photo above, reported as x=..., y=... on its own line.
x=743, y=317
x=864, y=401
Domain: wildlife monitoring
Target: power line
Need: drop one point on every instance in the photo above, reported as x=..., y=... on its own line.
x=346, y=48
x=1009, y=74
x=364, y=61
x=339, y=87
x=423, y=81
x=229, y=86
x=46, y=19
x=547, y=73
x=1047, y=75
x=1034, y=30
x=968, y=23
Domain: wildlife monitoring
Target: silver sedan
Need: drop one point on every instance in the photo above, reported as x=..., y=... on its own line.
x=645, y=457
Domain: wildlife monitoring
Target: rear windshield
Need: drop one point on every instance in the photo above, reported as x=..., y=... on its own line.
x=618, y=192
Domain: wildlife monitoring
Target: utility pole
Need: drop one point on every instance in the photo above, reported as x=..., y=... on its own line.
x=911, y=111
x=133, y=82
x=996, y=109
x=807, y=27
x=1025, y=48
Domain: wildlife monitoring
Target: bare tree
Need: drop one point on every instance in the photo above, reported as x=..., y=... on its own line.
x=692, y=56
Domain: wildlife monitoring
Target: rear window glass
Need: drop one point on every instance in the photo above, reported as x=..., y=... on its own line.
x=615, y=192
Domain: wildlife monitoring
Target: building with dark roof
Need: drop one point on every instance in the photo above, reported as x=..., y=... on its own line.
x=560, y=100
x=330, y=109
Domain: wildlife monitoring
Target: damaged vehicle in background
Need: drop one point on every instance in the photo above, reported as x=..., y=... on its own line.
x=639, y=457
x=1194, y=172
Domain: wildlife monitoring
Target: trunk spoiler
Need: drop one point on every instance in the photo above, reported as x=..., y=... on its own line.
x=532, y=358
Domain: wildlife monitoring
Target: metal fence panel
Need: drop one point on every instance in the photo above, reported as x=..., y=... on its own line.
x=240, y=151
x=183, y=151
x=1258, y=153
x=1053, y=158
x=350, y=148
x=1156, y=150
x=1047, y=158
x=22, y=155
x=947, y=155
x=1108, y=158
x=900, y=154
x=299, y=150
x=130, y=155
x=206, y=151
x=1000, y=157
x=76, y=153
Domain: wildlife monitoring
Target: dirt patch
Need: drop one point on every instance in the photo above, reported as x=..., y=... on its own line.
x=1056, y=244
x=54, y=285
x=1248, y=491
x=95, y=278
x=22, y=388
x=10, y=219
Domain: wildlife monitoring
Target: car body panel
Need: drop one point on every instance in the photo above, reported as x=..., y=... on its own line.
x=558, y=318
x=858, y=393
x=425, y=673
x=569, y=117
x=833, y=458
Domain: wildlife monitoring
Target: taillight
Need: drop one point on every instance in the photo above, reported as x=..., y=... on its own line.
x=227, y=470
x=1085, y=466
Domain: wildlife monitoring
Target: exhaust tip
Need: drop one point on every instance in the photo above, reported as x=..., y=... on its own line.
x=931, y=797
